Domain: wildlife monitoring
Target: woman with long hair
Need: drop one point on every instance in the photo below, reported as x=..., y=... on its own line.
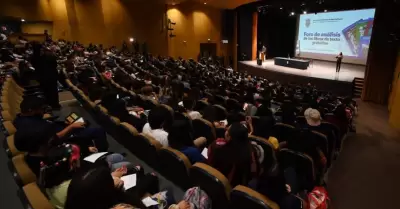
x=233, y=155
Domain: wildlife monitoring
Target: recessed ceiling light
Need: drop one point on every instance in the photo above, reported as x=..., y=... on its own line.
x=205, y=2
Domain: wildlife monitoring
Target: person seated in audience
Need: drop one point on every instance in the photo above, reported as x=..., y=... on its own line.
x=180, y=138
x=31, y=118
x=210, y=114
x=189, y=104
x=148, y=93
x=135, y=116
x=96, y=188
x=154, y=127
x=234, y=155
x=63, y=162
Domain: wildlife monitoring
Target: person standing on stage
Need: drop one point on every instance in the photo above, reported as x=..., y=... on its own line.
x=339, y=61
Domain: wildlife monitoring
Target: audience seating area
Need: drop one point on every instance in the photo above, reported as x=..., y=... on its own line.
x=173, y=164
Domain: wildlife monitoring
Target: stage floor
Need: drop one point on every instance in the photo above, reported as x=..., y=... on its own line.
x=317, y=69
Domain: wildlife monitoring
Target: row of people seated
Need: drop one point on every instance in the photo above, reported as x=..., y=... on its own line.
x=69, y=181
x=160, y=118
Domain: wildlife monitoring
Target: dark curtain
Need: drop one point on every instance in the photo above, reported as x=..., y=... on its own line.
x=277, y=31
x=245, y=23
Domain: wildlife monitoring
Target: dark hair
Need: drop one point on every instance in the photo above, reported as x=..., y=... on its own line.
x=33, y=138
x=180, y=134
x=189, y=103
x=31, y=103
x=210, y=113
x=156, y=118
x=92, y=189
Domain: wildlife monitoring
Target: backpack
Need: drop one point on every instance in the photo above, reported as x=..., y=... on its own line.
x=197, y=198
x=318, y=198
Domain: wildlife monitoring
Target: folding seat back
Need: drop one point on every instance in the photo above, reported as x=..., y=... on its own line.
x=10, y=148
x=21, y=172
x=175, y=166
x=322, y=142
x=9, y=128
x=213, y=182
x=270, y=159
x=283, y=132
x=147, y=149
x=244, y=198
x=232, y=104
x=221, y=112
x=200, y=106
x=32, y=197
x=127, y=136
x=220, y=100
x=303, y=166
x=204, y=128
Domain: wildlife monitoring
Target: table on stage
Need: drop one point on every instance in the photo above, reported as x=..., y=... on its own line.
x=293, y=63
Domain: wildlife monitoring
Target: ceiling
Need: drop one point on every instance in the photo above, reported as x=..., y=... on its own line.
x=223, y=4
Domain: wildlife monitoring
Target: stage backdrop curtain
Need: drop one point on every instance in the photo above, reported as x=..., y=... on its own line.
x=381, y=57
x=277, y=31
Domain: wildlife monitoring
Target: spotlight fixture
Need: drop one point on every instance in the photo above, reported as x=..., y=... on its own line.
x=281, y=8
x=305, y=12
x=205, y=2
x=208, y=39
x=22, y=20
x=325, y=10
x=131, y=40
x=292, y=13
x=302, y=4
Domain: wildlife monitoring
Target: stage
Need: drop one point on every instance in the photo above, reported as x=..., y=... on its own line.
x=321, y=73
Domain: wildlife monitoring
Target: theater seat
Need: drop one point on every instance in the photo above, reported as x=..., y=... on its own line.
x=269, y=152
x=6, y=116
x=232, y=104
x=322, y=142
x=21, y=172
x=213, y=182
x=175, y=166
x=245, y=198
x=283, y=132
x=221, y=112
x=302, y=164
x=9, y=128
x=10, y=148
x=127, y=136
x=200, y=105
x=204, y=128
x=147, y=149
x=32, y=197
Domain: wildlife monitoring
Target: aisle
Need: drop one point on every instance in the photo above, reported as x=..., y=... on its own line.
x=367, y=173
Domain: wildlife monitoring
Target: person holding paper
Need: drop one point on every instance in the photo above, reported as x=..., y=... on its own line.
x=31, y=119
x=97, y=189
x=62, y=162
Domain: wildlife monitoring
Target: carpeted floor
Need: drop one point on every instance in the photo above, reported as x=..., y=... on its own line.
x=365, y=176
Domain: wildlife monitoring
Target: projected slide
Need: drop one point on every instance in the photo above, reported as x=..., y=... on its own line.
x=324, y=35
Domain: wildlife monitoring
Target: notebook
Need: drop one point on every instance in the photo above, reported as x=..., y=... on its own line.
x=205, y=153
x=149, y=202
x=93, y=157
x=129, y=181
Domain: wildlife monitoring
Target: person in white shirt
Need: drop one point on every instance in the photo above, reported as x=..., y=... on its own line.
x=189, y=104
x=155, y=124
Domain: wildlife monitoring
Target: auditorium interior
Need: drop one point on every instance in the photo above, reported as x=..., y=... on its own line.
x=314, y=138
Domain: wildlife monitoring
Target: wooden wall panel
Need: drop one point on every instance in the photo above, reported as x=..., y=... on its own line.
x=195, y=24
x=394, y=102
x=254, y=36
